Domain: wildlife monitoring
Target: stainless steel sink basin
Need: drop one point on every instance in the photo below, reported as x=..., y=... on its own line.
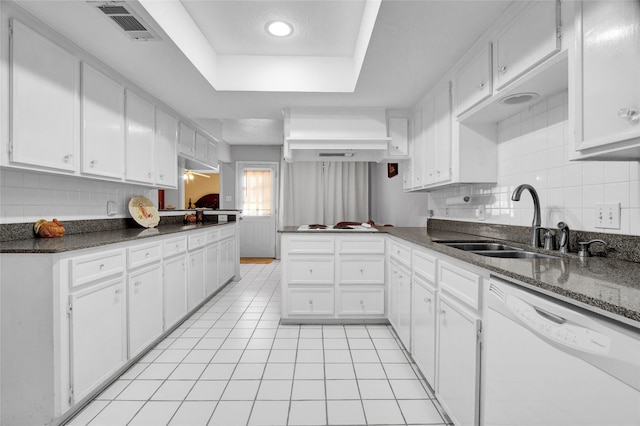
x=496, y=250
x=479, y=246
x=516, y=254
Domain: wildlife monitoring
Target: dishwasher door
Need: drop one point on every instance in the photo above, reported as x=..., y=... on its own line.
x=549, y=364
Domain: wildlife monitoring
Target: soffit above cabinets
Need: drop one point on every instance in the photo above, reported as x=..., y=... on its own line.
x=227, y=42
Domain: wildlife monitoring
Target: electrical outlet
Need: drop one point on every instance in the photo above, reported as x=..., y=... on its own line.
x=228, y=198
x=607, y=216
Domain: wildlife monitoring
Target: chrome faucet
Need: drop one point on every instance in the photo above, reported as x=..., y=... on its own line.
x=535, y=225
x=564, y=239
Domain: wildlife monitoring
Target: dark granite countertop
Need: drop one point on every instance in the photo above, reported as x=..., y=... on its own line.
x=609, y=287
x=95, y=239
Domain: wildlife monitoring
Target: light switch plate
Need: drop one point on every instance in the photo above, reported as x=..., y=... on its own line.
x=228, y=198
x=607, y=216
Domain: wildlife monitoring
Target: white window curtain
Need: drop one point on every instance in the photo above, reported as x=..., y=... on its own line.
x=323, y=192
x=257, y=192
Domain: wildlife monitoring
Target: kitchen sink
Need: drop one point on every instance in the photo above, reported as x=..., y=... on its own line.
x=499, y=250
x=515, y=254
x=480, y=246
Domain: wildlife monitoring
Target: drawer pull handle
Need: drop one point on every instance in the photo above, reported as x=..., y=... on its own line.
x=310, y=271
x=137, y=283
x=362, y=302
x=147, y=254
x=427, y=299
x=118, y=291
x=442, y=312
x=311, y=302
x=362, y=271
x=101, y=266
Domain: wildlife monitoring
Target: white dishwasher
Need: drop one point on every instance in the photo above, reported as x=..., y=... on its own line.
x=549, y=364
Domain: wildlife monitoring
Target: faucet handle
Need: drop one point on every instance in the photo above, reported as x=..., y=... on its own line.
x=583, y=251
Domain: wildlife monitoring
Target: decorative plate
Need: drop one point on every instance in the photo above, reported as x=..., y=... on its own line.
x=144, y=211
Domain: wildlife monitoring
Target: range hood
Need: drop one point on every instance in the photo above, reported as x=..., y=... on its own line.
x=335, y=134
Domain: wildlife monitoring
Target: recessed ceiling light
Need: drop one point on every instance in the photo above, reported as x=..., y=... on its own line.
x=279, y=28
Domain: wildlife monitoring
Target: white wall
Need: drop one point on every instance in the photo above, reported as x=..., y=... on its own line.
x=29, y=196
x=389, y=204
x=533, y=148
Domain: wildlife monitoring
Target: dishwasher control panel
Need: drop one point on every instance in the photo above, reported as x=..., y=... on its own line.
x=557, y=328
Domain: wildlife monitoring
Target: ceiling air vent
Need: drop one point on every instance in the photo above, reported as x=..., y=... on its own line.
x=133, y=26
x=336, y=154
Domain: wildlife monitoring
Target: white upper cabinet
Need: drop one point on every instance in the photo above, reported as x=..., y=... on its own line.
x=140, y=141
x=527, y=41
x=442, y=134
x=202, y=146
x=607, y=83
x=398, y=132
x=473, y=81
x=187, y=143
x=102, y=125
x=212, y=153
x=45, y=110
x=418, y=148
x=166, y=165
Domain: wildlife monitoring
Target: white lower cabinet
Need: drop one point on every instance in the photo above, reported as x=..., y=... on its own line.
x=400, y=302
x=423, y=327
x=311, y=301
x=145, y=308
x=175, y=290
x=97, y=335
x=361, y=300
x=458, y=374
x=195, y=284
x=212, y=258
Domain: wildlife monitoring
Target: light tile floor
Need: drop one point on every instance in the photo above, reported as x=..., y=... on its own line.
x=232, y=363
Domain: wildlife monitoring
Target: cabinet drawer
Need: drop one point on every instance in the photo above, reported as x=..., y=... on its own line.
x=361, y=301
x=361, y=269
x=357, y=245
x=310, y=245
x=143, y=255
x=424, y=265
x=89, y=268
x=311, y=270
x=212, y=237
x=400, y=252
x=464, y=285
x=174, y=246
x=196, y=241
x=227, y=232
x=311, y=301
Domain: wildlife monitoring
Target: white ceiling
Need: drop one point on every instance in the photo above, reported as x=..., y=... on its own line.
x=412, y=44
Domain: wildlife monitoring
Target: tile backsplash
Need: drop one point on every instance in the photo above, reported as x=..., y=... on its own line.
x=29, y=196
x=533, y=148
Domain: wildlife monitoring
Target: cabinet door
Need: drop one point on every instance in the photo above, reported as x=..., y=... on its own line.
x=102, y=125
x=458, y=362
x=212, y=256
x=174, y=290
x=202, y=145
x=430, y=142
x=44, y=107
x=419, y=150
x=407, y=174
x=398, y=132
x=145, y=308
x=212, y=154
x=529, y=39
x=166, y=164
x=473, y=81
x=195, y=290
x=140, y=139
x=98, y=335
x=423, y=325
x=442, y=134
x=610, y=42
x=187, y=143
x=400, y=303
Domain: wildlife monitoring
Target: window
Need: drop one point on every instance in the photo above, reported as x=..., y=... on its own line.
x=257, y=192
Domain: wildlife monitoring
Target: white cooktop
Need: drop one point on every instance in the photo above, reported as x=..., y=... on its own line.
x=331, y=228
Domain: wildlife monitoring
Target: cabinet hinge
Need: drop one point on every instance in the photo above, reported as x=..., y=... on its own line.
x=10, y=148
x=71, y=395
x=69, y=309
x=479, y=333
x=559, y=31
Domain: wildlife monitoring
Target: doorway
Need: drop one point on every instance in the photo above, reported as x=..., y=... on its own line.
x=257, y=194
